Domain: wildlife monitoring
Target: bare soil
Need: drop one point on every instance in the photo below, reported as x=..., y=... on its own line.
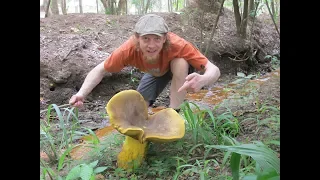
x=71, y=45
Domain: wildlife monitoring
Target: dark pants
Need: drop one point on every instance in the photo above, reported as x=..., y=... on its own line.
x=150, y=86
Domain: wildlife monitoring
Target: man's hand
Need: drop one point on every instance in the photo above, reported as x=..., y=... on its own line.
x=76, y=100
x=194, y=82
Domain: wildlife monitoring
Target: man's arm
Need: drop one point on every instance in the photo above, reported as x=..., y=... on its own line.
x=93, y=78
x=194, y=82
x=211, y=74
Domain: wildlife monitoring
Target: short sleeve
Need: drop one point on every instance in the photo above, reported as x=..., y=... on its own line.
x=115, y=62
x=194, y=57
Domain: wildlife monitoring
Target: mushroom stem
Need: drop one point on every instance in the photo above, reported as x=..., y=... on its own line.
x=132, y=153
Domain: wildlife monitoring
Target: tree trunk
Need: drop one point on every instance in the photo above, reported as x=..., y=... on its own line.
x=272, y=8
x=147, y=6
x=253, y=18
x=105, y=5
x=244, y=23
x=272, y=18
x=97, y=2
x=177, y=5
x=46, y=4
x=142, y=7
x=170, y=5
x=54, y=7
x=251, y=9
x=237, y=15
x=80, y=6
x=121, y=7
x=64, y=7
x=113, y=7
x=126, y=7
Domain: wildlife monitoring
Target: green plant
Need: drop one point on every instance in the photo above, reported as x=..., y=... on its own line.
x=103, y=115
x=275, y=62
x=57, y=140
x=179, y=167
x=196, y=122
x=85, y=171
x=265, y=158
x=132, y=78
x=202, y=169
x=243, y=78
x=225, y=124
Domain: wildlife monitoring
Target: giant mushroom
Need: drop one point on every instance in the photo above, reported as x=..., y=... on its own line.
x=128, y=114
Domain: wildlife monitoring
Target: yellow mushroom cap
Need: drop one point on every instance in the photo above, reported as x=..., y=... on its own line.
x=129, y=115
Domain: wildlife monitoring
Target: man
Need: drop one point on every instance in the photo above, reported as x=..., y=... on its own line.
x=163, y=56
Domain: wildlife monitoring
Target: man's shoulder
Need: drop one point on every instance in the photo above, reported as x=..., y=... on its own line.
x=176, y=40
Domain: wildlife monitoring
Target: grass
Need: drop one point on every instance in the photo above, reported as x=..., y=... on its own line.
x=217, y=145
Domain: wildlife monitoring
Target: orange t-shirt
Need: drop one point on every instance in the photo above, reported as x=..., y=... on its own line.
x=128, y=55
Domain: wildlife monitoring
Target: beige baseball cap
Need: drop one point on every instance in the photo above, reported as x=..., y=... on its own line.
x=151, y=24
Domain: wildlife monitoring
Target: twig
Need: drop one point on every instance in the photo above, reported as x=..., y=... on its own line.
x=238, y=60
x=272, y=18
x=72, y=49
x=214, y=28
x=64, y=105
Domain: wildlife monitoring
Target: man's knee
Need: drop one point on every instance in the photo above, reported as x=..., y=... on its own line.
x=179, y=66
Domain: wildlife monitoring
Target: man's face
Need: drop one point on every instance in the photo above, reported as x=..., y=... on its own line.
x=151, y=44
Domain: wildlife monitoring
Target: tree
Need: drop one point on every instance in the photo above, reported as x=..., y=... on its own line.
x=122, y=7
x=272, y=17
x=237, y=15
x=46, y=4
x=109, y=6
x=243, y=27
x=141, y=11
x=80, y=6
x=177, y=5
x=241, y=22
x=169, y=5
x=147, y=6
x=63, y=7
x=105, y=4
x=251, y=9
x=54, y=7
x=97, y=2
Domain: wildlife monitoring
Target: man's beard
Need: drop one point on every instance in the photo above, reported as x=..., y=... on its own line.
x=152, y=60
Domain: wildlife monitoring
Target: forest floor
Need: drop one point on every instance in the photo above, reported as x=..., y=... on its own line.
x=71, y=45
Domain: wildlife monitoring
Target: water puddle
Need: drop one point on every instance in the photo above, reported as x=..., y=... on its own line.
x=216, y=95
x=213, y=96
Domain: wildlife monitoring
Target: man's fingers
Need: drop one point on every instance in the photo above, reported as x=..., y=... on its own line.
x=190, y=76
x=78, y=104
x=72, y=100
x=184, y=86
